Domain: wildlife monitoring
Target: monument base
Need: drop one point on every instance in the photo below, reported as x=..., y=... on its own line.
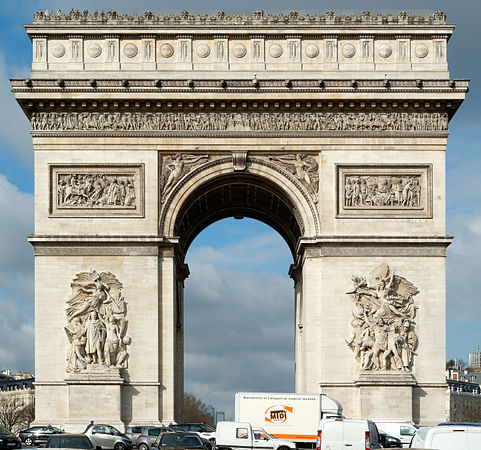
x=386, y=394
x=95, y=395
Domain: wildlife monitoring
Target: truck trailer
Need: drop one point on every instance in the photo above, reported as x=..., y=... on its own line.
x=294, y=417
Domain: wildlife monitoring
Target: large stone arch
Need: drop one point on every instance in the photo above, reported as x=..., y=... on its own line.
x=260, y=174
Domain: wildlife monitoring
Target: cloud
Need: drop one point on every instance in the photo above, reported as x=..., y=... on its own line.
x=239, y=325
x=16, y=260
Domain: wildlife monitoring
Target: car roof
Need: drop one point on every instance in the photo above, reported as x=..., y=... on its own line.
x=72, y=435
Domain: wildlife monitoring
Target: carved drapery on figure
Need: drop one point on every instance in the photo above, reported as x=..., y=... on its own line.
x=245, y=121
x=383, y=336
x=96, y=323
x=176, y=166
x=304, y=167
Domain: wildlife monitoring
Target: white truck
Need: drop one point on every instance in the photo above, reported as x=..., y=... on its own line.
x=294, y=417
x=244, y=436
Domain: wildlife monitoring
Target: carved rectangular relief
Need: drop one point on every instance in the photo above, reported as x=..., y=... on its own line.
x=384, y=191
x=97, y=190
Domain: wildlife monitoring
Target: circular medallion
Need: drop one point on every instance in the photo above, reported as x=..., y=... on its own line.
x=166, y=50
x=385, y=51
x=421, y=50
x=239, y=50
x=312, y=50
x=130, y=50
x=203, y=50
x=275, y=50
x=348, y=50
x=58, y=50
x=94, y=50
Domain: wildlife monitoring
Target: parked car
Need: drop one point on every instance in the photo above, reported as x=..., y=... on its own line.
x=145, y=441
x=404, y=431
x=37, y=435
x=134, y=432
x=77, y=441
x=448, y=437
x=357, y=434
x=8, y=439
x=107, y=436
x=388, y=441
x=180, y=440
x=204, y=430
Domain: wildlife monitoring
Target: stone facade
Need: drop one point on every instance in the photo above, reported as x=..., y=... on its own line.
x=331, y=129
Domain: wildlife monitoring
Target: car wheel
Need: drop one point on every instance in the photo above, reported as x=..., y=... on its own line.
x=119, y=446
x=143, y=447
x=29, y=441
x=283, y=448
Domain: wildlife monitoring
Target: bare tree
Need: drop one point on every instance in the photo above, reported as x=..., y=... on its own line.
x=195, y=410
x=14, y=414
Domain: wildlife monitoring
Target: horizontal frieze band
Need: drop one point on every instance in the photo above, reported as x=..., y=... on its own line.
x=41, y=250
x=379, y=249
x=240, y=122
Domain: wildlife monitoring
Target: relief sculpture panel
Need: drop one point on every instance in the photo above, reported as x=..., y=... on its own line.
x=383, y=336
x=96, y=324
x=251, y=121
x=384, y=191
x=96, y=190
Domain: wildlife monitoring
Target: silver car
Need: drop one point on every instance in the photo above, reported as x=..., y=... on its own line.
x=108, y=437
x=145, y=441
x=134, y=432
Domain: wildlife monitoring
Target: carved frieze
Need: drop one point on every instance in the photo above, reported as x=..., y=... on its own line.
x=304, y=167
x=246, y=121
x=96, y=324
x=383, y=336
x=175, y=167
x=97, y=190
x=384, y=191
x=257, y=17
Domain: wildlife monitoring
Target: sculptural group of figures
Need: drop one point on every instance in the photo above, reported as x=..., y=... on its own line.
x=252, y=121
x=383, y=337
x=96, y=323
x=95, y=190
x=400, y=191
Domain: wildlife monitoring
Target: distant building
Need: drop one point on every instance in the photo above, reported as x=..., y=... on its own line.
x=463, y=402
x=475, y=360
x=19, y=386
x=219, y=416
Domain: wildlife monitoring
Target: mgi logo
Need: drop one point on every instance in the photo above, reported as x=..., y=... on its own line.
x=277, y=413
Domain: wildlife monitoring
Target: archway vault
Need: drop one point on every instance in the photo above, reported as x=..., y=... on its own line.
x=261, y=191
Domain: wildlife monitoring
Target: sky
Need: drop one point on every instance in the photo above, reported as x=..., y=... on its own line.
x=239, y=319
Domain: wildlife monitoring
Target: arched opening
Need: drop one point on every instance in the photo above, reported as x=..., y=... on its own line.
x=238, y=313
x=249, y=312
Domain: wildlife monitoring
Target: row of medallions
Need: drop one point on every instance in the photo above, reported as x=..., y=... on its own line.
x=239, y=50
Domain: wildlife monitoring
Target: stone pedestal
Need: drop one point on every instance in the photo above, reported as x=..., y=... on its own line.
x=386, y=394
x=94, y=395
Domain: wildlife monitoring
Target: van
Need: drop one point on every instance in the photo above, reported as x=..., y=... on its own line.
x=342, y=434
x=404, y=431
x=448, y=437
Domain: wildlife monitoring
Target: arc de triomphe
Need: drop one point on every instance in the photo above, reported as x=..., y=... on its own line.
x=147, y=128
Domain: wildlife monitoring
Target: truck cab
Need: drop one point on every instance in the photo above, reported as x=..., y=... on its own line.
x=243, y=436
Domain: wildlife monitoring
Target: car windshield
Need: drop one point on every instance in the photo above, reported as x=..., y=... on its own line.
x=4, y=431
x=260, y=433
x=206, y=427
x=115, y=432
x=80, y=442
x=181, y=440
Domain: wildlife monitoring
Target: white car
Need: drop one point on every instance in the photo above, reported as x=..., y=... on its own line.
x=404, y=431
x=448, y=437
x=343, y=434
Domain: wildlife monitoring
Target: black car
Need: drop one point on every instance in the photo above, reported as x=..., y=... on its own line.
x=388, y=441
x=8, y=439
x=37, y=435
x=181, y=440
x=77, y=441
